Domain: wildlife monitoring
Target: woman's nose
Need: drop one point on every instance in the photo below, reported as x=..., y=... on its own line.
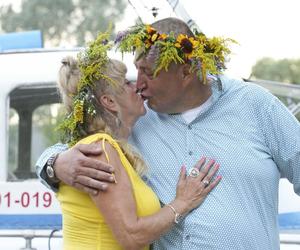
x=133, y=86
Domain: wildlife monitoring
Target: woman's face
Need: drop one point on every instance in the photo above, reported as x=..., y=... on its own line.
x=131, y=104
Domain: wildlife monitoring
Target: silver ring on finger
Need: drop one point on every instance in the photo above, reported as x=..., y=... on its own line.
x=194, y=172
x=205, y=183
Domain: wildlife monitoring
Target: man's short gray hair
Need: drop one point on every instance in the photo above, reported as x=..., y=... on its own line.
x=172, y=24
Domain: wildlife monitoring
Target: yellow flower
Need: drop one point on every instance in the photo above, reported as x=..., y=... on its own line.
x=194, y=42
x=179, y=40
x=181, y=37
x=189, y=55
x=177, y=45
x=147, y=44
x=154, y=37
x=186, y=44
x=78, y=112
x=138, y=42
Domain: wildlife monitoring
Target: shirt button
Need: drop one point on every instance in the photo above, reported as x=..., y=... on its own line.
x=187, y=237
x=190, y=127
x=190, y=152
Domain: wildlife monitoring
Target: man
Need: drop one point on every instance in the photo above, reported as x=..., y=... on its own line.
x=244, y=128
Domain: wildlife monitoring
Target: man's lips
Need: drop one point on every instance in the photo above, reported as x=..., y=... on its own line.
x=140, y=93
x=144, y=97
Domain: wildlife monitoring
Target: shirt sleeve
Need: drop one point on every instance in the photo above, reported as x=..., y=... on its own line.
x=282, y=133
x=41, y=164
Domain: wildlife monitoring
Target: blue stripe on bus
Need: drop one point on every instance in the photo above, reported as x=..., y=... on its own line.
x=30, y=221
x=289, y=221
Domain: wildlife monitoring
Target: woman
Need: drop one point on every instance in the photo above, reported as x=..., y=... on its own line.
x=103, y=106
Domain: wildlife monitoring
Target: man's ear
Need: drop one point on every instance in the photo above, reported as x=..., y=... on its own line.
x=109, y=102
x=187, y=75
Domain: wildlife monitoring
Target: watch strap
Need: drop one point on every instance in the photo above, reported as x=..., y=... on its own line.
x=50, y=168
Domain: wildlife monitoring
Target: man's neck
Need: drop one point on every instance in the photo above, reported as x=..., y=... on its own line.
x=194, y=97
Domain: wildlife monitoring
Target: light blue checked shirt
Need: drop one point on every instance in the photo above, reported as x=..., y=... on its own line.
x=255, y=139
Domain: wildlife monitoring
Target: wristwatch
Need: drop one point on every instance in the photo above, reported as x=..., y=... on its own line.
x=178, y=218
x=50, y=168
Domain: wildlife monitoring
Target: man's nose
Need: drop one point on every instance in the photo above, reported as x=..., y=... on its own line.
x=140, y=82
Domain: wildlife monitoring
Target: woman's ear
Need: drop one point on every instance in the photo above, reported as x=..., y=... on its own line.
x=109, y=102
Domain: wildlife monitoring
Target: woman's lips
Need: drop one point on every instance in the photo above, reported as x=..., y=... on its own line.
x=139, y=92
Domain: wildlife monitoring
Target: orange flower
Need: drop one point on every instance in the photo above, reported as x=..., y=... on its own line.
x=150, y=30
x=163, y=36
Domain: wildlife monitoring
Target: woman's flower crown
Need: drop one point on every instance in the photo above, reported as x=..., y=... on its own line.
x=206, y=55
x=92, y=63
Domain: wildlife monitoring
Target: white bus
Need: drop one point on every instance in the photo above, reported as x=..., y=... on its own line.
x=29, y=106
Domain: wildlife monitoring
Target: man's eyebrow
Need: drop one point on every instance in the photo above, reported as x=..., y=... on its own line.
x=143, y=68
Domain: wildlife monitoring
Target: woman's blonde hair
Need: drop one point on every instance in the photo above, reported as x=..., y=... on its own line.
x=104, y=121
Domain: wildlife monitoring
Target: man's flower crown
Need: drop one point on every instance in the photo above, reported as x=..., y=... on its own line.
x=206, y=55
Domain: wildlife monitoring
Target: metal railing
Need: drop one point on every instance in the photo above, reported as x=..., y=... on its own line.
x=290, y=238
x=29, y=235
x=289, y=91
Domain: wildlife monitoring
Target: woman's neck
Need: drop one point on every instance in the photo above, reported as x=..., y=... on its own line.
x=125, y=128
x=123, y=132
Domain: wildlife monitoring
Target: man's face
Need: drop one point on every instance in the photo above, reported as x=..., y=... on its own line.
x=163, y=91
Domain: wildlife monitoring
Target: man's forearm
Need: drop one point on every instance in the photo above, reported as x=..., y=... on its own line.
x=42, y=162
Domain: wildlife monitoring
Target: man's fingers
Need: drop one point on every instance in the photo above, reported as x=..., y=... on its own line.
x=96, y=174
x=90, y=183
x=97, y=164
x=86, y=189
x=90, y=149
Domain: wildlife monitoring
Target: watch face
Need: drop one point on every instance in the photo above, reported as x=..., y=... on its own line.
x=178, y=217
x=50, y=171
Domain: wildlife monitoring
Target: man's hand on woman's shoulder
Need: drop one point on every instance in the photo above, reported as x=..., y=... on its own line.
x=79, y=167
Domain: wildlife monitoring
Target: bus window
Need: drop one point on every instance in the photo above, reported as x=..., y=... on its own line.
x=45, y=120
x=34, y=109
x=13, y=143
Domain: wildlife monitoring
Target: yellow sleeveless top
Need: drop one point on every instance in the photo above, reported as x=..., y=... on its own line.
x=84, y=227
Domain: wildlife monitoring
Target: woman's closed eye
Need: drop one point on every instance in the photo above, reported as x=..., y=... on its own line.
x=127, y=82
x=130, y=84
